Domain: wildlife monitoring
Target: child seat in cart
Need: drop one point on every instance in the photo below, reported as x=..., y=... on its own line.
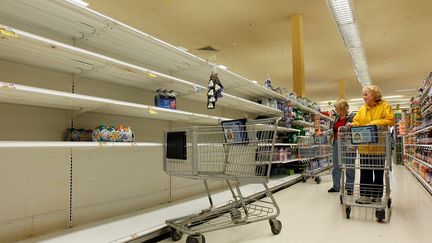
x=366, y=149
x=237, y=152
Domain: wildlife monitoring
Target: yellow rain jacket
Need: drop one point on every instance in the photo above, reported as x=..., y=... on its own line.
x=380, y=115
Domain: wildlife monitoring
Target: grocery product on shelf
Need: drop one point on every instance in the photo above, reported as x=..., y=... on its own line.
x=418, y=139
x=73, y=134
x=104, y=133
x=165, y=99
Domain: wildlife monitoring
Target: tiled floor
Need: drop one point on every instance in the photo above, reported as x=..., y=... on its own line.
x=310, y=214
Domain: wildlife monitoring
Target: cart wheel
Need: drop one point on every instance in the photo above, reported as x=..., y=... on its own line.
x=303, y=179
x=380, y=215
x=348, y=212
x=275, y=225
x=195, y=239
x=318, y=180
x=235, y=215
x=389, y=202
x=341, y=201
x=175, y=234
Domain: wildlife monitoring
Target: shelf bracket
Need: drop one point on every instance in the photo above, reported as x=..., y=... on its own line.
x=95, y=33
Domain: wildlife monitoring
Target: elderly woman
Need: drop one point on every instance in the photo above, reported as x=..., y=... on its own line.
x=375, y=111
x=340, y=120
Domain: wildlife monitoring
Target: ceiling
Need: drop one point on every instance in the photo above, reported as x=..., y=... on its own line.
x=253, y=38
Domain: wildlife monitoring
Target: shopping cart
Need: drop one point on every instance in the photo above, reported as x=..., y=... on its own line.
x=315, y=152
x=368, y=149
x=237, y=152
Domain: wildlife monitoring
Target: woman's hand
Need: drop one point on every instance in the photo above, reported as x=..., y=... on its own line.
x=348, y=124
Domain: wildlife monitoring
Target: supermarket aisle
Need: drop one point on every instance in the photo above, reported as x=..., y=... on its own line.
x=311, y=214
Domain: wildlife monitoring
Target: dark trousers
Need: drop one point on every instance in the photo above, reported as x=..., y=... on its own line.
x=372, y=176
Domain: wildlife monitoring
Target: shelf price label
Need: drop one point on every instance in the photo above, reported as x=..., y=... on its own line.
x=7, y=86
x=8, y=33
x=152, y=111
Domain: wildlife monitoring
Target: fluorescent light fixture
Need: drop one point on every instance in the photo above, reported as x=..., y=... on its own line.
x=222, y=67
x=80, y=2
x=406, y=90
x=393, y=96
x=343, y=14
x=327, y=101
x=356, y=99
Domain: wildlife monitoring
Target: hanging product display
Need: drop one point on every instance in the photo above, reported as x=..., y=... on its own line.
x=215, y=89
x=268, y=82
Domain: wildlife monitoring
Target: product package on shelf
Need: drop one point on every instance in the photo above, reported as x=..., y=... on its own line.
x=101, y=133
x=73, y=134
x=165, y=99
x=284, y=153
x=120, y=133
x=288, y=114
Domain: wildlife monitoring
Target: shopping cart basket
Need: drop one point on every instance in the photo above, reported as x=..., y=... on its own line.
x=237, y=152
x=368, y=149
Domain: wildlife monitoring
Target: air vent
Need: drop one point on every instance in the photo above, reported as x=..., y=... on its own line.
x=207, y=48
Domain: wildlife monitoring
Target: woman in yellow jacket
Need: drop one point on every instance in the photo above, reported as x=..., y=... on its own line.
x=377, y=112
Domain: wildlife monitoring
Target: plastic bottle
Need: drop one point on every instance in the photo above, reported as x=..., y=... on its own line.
x=157, y=98
x=173, y=100
x=164, y=100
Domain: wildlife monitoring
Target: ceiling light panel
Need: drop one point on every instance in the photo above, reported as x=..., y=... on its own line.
x=343, y=14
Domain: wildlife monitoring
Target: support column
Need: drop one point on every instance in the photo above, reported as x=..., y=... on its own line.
x=297, y=55
x=342, y=89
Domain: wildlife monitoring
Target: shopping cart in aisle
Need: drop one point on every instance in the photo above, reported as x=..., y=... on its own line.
x=238, y=152
x=368, y=149
x=316, y=154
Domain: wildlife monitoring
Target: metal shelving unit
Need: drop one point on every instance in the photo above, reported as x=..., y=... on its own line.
x=420, y=179
x=46, y=53
x=92, y=30
x=420, y=142
x=57, y=144
x=104, y=49
x=419, y=160
x=26, y=95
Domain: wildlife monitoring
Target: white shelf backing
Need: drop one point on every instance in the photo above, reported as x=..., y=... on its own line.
x=138, y=225
x=26, y=95
x=27, y=48
x=56, y=144
x=90, y=28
